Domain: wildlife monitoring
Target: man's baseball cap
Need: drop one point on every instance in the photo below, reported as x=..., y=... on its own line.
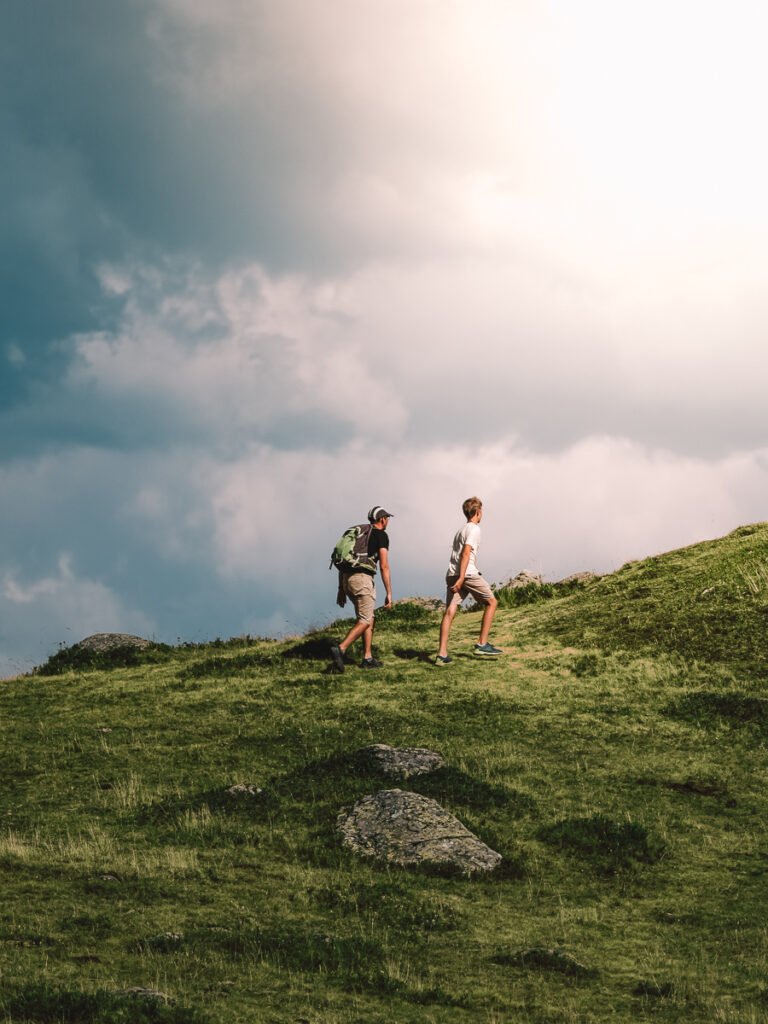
x=378, y=512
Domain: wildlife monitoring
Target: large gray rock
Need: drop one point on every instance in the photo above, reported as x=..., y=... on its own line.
x=409, y=829
x=400, y=762
x=101, y=642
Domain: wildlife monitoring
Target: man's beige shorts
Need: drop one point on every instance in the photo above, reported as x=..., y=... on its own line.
x=361, y=590
x=475, y=586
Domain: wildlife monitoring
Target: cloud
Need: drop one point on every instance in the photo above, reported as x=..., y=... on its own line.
x=438, y=352
x=58, y=609
x=591, y=506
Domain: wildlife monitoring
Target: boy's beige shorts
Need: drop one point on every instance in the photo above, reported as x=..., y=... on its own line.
x=360, y=588
x=474, y=585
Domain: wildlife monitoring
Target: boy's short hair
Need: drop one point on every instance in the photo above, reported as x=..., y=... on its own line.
x=470, y=506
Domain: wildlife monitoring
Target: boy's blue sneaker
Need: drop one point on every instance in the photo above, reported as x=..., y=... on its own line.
x=440, y=660
x=487, y=651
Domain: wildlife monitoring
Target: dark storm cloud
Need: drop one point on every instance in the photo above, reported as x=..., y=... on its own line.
x=104, y=160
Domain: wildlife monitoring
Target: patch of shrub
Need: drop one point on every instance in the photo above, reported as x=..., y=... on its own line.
x=610, y=846
x=82, y=659
x=403, y=615
x=531, y=593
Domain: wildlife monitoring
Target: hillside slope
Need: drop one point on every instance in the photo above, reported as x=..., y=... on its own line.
x=706, y=602
x=615, y=757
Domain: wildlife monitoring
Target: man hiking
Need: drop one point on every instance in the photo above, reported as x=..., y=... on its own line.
x=462, y=579
x=356, y=581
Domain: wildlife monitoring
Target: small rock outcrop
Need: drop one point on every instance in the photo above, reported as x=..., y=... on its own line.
x=432, y=604
x=101, y=642
x=139, y=992
x=580, y=577
x=526, y=578
x=408, y=829
x=243, y=789
x=400, y=762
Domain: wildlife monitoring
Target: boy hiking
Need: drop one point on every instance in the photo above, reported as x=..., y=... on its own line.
x=462, y=579
x=356, y=581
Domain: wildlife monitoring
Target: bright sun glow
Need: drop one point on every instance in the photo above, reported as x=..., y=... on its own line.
x=661, y=106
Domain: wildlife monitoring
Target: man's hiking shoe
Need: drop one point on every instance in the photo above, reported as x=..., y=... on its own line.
x=487, y=651
x=337, y=657
x=440, y=660
x=371, y=663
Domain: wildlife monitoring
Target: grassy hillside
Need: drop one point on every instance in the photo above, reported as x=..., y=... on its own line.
x=616, y=757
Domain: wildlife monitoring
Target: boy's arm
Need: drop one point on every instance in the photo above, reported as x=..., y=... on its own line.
x=385, y=575
x=466, y=551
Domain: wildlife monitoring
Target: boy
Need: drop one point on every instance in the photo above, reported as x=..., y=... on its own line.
x=358, y=585
x=462, y=579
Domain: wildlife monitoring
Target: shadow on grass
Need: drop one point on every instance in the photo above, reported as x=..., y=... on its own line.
x=690, y=786
x=391, y=903
x=411, y=654
x=456, y=787
x=219, y=665
x=314, y=648
x=45, y=1004
x=710, y=709
x=539, y=958
x=608, y=846
x=352, y=962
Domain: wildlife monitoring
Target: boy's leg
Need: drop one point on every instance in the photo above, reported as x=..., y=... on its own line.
x=445, y=627
x=485, y=623
x=452, y=605
x=482, y=593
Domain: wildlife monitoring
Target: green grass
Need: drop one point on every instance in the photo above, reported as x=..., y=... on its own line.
x=615, y=756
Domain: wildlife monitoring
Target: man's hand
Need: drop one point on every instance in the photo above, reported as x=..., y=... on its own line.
x=458, y=585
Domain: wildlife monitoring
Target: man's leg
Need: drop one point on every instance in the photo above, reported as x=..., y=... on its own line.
x=367, y=642
x=361, y=589
x=357, y=631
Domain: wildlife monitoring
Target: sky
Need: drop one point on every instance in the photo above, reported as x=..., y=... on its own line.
x=264, y=265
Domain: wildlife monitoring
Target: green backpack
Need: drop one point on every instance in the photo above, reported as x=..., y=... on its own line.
x=351, y=550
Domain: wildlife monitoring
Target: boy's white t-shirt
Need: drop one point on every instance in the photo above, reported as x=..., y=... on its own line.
x=469, y=534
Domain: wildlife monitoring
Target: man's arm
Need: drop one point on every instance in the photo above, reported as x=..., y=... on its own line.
x=466, y=551
x=385, y=575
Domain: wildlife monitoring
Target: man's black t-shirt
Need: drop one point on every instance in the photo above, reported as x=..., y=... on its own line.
x=378, y=539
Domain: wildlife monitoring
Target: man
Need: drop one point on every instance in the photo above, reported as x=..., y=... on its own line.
x=462, y=579
x=359, y=586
